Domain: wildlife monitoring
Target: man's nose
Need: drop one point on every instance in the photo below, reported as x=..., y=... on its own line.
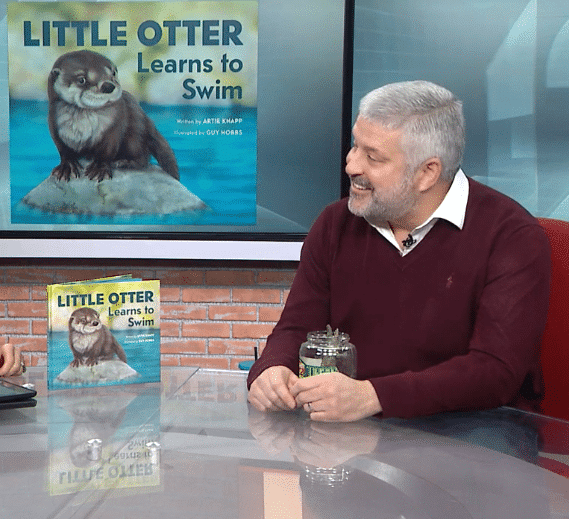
x=353, y=163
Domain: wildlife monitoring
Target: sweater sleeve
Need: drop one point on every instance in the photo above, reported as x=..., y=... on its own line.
x=503, y=348
x=308, y=304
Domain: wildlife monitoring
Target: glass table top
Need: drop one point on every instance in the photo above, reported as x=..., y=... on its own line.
x=190, y=446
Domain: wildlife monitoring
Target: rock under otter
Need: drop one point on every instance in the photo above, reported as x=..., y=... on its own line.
x=129, y=192
x=104, y=371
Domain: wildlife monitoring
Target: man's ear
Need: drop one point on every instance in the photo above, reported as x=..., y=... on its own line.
x=429, y=174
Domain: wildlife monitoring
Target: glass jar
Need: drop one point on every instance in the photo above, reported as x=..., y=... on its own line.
x=326, y=352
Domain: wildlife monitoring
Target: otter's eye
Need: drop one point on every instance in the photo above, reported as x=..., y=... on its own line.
x=81, y=80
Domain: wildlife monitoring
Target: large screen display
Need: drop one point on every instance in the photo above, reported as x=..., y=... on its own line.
x=179, y=129
x=507, y=60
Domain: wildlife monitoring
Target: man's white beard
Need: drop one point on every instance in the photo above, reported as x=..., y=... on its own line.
x=384, y=207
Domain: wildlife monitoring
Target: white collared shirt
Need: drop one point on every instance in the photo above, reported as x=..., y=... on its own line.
x=452, y=209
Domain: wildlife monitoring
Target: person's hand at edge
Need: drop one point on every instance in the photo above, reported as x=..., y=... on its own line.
x=11, y=362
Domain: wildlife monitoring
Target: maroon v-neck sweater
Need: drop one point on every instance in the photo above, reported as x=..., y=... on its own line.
x=454, y=324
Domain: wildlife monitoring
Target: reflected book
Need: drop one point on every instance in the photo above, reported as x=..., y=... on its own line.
x=103, y=332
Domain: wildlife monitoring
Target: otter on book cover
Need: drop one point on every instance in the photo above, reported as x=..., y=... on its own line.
x=103, y=331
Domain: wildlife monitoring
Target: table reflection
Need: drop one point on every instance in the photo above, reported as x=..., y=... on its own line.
x=99, y=438
x=322, y=450
x=191, y=446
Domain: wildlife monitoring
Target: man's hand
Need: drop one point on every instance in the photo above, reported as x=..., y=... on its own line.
x=334, y=397
x=10, y=361
x=270, y=391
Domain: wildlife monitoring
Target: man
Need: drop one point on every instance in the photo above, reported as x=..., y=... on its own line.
x=441, y=282
x=11, y=362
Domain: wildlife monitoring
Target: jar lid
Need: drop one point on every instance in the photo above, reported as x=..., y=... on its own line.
x=323, y=339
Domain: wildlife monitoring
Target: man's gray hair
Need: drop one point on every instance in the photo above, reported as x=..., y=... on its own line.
x=429, y=117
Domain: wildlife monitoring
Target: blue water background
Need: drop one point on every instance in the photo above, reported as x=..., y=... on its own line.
x=219, y=169
x=144, y=357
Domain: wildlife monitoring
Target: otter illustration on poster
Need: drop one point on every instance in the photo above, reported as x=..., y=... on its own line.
x=92, y=117
x=136, y=115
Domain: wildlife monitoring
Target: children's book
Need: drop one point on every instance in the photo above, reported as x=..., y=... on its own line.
x=103, y=332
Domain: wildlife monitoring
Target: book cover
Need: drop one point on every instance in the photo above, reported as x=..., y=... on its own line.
x=141, y=114
x=103, y=332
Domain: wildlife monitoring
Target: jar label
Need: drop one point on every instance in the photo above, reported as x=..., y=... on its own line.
x=308, y=367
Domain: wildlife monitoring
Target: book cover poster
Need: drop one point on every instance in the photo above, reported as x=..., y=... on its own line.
x=103, y=332
x=133, y=113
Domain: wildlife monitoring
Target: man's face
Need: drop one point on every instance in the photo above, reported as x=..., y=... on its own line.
x=381, y=186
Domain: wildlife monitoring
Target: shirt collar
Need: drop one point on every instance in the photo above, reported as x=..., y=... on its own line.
x=453, y=206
